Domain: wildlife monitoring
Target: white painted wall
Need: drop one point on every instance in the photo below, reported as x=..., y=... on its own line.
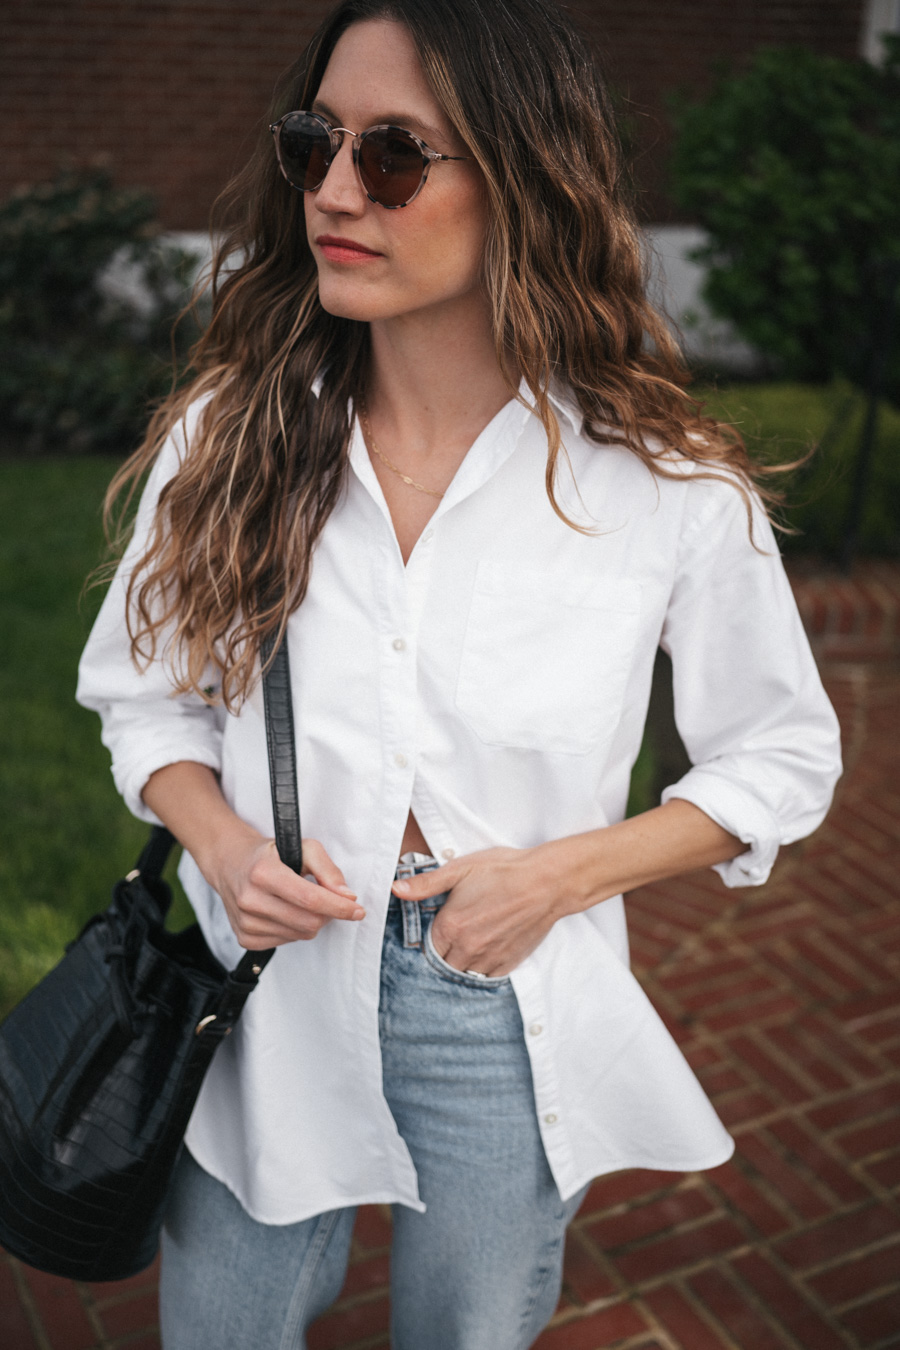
x=879, y=17
x=676, y=284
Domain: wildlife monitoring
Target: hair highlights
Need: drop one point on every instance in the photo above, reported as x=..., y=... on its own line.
x=229, y=554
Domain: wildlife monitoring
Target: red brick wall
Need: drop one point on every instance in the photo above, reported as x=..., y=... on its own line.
x=171, y=91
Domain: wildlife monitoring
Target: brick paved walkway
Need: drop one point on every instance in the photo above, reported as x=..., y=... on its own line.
x=786, y=1000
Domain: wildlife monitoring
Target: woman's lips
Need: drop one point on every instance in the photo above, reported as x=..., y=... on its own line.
x=336, y=249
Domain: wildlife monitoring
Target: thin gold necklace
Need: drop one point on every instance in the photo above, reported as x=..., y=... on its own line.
x=370, y=440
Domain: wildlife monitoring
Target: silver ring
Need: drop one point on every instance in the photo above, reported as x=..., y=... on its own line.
x=478, y=974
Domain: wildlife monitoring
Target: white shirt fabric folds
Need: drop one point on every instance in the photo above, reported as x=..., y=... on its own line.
x=497, y=685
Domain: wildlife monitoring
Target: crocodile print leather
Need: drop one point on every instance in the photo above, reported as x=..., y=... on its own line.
x=100, y=1065
x=282, y=756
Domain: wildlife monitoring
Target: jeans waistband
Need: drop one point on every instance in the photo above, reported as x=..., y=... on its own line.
x=411, y=864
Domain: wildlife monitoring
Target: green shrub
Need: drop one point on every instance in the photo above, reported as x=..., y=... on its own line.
x=793, y=169
x=77, y=365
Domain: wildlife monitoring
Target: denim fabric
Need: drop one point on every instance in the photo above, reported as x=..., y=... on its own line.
x=480, y=1270
x=230, y=1283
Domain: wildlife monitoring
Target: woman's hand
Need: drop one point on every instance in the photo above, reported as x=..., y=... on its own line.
x=504, y=901
x=501, y=906
x=267, y=903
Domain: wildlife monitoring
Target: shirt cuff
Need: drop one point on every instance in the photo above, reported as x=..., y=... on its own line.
x=740, y=813
x=131, y=778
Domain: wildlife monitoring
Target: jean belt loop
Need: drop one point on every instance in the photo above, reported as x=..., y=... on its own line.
x=412, y=923
x=411, y=865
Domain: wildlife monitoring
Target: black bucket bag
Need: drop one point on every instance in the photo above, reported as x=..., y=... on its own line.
x=101, y=1064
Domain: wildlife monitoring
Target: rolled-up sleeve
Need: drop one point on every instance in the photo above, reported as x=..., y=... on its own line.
x=758, y=727
x=145, y=726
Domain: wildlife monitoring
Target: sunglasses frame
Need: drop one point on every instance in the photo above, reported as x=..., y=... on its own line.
x=336, y=137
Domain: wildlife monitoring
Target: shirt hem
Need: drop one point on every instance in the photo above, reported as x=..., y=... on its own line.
x=377, y=1197
x=700, y=1164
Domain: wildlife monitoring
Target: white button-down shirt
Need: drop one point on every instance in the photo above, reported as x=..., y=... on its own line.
x=496, y=686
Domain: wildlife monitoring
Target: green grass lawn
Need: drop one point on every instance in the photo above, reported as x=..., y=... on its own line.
x=781, y=421
x=64, y=834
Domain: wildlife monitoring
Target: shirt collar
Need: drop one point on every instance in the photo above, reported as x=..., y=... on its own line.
x=488, y=453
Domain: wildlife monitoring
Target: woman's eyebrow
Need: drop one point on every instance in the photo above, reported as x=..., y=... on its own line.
x=398, y=119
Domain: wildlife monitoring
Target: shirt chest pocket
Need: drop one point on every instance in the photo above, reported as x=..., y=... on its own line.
x=545, y=660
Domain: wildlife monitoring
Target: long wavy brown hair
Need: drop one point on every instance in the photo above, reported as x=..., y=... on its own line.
x=564, y=271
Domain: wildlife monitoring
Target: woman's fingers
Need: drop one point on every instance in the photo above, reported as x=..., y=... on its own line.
x=257, y=939
x=326, y=872
x=328, y=895
x=497, y=912
x=261, y=914
x=272, y=905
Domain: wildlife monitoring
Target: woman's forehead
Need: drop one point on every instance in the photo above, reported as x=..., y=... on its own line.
x=374, y=75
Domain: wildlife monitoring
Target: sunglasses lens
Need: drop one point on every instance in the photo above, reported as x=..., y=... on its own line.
x=391, y=166
x=304, y=151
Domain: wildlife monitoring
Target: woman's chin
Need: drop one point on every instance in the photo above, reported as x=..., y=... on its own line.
x=347, y=310
x=352, y=302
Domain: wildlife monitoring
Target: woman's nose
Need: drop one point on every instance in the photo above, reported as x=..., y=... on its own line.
x=341, y=192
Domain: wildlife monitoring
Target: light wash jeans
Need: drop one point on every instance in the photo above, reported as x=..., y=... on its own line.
x=481, y=1270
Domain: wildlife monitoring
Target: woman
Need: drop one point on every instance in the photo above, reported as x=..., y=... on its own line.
x=428, y=442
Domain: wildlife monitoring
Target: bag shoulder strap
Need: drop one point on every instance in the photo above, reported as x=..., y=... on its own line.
x=282, y=781
x=283, y=785
x=282, y=755
x=155, y=853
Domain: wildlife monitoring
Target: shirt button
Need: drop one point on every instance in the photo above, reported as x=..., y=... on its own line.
x=399, y=645
x=550, y=1118
x=535, y=1029
x=401, y=761
x=427, y=534
x=448, y=853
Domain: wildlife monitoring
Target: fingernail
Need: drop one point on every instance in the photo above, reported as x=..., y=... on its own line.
x=401, y=887
x=358, y=913
x=345, y=890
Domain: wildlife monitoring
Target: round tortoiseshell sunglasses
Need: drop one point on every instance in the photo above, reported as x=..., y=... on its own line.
x=391, y=162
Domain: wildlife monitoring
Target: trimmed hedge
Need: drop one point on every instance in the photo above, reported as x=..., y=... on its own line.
x=79, y=366
x=793, y=168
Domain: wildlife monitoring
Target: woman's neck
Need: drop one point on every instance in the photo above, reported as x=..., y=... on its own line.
x=435, y=380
